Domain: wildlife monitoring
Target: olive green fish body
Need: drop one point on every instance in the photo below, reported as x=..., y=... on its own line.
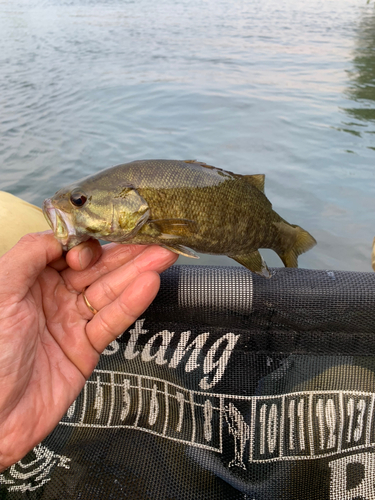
x=182, y=205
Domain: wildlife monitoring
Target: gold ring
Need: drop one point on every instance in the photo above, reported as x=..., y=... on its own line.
x=92, y=309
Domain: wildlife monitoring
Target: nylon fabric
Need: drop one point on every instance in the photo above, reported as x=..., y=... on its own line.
x=229, y=387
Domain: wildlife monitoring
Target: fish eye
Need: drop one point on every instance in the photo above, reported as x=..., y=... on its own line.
x=78, y=199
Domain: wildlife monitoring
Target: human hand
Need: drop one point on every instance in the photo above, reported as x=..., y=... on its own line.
x=50, y=341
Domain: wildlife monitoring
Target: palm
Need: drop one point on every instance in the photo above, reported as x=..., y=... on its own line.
x=48, y=346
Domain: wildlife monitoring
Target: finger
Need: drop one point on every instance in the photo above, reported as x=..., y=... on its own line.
x=116, y=317
x=26, y=260
x=79, y=257
x=113, y=256
x=59, y=264
x=107, y=288
x=84, y=255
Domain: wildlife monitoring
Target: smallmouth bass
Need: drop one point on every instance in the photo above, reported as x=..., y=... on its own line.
x=185, y=206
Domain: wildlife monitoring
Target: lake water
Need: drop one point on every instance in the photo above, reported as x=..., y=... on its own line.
x=280, y=87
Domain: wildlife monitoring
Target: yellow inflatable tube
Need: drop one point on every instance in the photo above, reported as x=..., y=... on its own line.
x=17, y=218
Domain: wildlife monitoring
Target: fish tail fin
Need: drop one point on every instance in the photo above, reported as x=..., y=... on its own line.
x=294, y=241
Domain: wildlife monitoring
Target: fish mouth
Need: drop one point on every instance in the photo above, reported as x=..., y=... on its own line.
x=61, y=224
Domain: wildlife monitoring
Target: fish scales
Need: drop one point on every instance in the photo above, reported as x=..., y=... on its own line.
x=185, y=206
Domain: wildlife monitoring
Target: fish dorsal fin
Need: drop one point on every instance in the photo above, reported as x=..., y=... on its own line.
x=256, y=180
x=202, y=164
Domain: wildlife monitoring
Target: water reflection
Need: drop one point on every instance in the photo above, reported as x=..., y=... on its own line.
x=361, y=89
x=254, y=87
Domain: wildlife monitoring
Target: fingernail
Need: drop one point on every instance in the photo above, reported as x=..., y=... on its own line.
x=85, y=257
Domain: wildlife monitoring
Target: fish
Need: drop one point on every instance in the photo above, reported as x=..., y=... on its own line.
x=186, y=206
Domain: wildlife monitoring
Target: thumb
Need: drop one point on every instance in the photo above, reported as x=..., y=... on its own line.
x=22, y=264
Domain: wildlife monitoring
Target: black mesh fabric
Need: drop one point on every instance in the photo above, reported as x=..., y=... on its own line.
x=231, y=387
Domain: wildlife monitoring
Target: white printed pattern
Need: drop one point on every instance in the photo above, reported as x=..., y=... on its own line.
x=32, y=475
x=295, y=426
x=213, y=365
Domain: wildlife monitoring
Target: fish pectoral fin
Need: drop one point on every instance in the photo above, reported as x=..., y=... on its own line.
x=182, y=250
x=296, y=241
x=174, y=228
x=255, y=262
x=169, y=230
x=256, y=180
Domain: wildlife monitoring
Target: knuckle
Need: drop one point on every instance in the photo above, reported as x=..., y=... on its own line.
x=69, y=284
x=108, y=291
x=101, y=267
x=30, y=238
x=139, y=264
x=126, y=311
x=105, y=325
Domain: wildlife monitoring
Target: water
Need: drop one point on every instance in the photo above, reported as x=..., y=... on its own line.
x=280, y=87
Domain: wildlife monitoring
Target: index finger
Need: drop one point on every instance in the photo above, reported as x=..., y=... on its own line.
x=84, y=255
x=22, y=264
x=113, y=256
x=117, y=316
x=79, y=257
